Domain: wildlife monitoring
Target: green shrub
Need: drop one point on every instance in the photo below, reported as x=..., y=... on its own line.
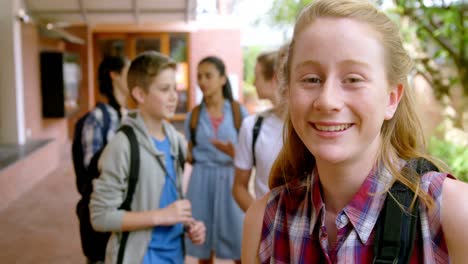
x=250, y=58
x=456, y=157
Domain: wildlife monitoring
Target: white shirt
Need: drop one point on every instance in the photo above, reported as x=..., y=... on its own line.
x=268, y=145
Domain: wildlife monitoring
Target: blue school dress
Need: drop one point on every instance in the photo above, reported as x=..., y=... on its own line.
x=210, y=188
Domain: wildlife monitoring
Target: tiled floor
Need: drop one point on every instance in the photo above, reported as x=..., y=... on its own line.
x=41, y=226
x=12, y=153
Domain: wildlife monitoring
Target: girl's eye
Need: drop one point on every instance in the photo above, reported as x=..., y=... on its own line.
x=313, y=80
x=353, y=79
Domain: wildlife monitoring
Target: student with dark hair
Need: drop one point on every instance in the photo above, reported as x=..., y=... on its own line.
x=92, y=132
x=353, y=183
x=112, y=74
x=212, y=124
x=154, y=226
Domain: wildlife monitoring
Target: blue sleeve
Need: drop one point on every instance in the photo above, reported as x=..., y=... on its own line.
x=244, y=112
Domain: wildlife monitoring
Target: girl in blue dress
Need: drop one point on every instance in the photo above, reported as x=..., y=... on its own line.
x=212, y=176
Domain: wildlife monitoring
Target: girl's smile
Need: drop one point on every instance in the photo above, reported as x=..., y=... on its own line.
x=330, y=129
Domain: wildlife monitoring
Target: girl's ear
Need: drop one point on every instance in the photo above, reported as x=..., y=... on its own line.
x=394, y=97
x=224, y=79
x=273, y=81
x=138, y=94
x=113, y=75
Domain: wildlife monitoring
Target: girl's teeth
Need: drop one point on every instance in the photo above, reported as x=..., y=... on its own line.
x=333, y=128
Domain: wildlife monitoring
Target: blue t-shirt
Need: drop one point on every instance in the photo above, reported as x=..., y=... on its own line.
x=166, y=241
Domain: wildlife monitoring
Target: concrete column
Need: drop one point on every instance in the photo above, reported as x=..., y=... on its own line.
x=12, y=121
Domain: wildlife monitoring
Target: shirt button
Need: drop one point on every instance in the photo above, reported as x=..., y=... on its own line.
x=344, y=219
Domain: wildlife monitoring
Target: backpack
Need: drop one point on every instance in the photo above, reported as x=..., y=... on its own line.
x=396, y=228
x=93, y=242
x=84, y=176
x=195, y=117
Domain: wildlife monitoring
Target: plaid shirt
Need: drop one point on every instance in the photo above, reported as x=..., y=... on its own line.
x=91, y=139
x=294, y=224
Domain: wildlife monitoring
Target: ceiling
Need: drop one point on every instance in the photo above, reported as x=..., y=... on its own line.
x=93, y=12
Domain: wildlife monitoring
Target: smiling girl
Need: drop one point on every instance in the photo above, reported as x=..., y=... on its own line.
x=350, y=135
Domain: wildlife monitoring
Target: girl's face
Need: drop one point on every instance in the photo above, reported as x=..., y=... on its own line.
x=210, y=79
x=265, y=88
x=339, y=95
x=160, y=101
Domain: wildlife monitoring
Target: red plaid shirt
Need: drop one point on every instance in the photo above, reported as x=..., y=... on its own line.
x=294, y=224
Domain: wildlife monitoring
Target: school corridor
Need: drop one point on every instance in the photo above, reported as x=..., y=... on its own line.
x=41, y=226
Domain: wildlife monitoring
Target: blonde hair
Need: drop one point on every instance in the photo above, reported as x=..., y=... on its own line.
x=145, y=67
x=401, y=136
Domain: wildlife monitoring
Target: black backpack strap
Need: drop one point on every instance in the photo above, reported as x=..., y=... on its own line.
x=106, y=121
x=255, y=132
x=180, y=156
x=421, y=166
x=396, y=230
x=181, y=159
x=396, y=227
x=132, y=181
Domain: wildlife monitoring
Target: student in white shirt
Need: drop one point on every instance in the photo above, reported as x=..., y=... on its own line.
x=269, y=139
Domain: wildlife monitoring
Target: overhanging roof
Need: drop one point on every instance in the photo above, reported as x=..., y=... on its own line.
x=92, y=12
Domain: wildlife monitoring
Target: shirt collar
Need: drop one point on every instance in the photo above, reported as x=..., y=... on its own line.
x=363, y=209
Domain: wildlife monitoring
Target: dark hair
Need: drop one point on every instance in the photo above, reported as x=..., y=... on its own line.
x=110, y=64
x=219, y=64
x=145, y=67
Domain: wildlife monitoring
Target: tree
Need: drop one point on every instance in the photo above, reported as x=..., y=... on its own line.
x=442, y=39
x=283, y=12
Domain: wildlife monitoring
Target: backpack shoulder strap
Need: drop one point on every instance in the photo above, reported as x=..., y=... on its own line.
x=396, y=226
x=106, y=121
x=134, y=165
x=132, y=181
x=255, y=132
x=180, y=157
x=236, y=114
x=181, y=160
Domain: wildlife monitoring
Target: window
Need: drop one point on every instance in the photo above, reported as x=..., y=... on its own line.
x=130, y=45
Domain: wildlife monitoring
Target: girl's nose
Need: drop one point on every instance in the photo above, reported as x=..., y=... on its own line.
x=329, y=97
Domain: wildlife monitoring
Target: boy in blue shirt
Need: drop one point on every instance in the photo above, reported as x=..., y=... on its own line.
x=159, y=215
